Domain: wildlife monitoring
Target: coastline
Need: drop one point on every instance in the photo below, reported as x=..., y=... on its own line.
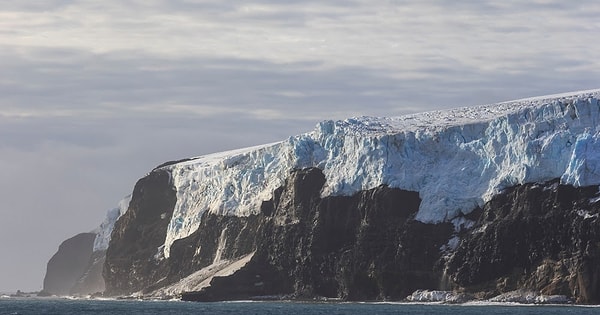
x=471, y=303
x=420, y=297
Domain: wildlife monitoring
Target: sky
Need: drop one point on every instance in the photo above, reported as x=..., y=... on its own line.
x=94, y=94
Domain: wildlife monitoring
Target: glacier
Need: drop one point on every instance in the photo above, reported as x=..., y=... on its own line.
x=105, y=229
x=455, y=159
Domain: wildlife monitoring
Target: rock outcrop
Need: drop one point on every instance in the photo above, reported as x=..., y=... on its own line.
x=133, y=255
x=540, y=237
x=92, y=281
x=360, y=247
x=74, y=269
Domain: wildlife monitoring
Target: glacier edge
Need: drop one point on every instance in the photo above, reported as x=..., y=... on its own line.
x=456, y=160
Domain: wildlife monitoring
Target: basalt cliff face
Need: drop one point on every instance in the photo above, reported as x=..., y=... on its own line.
x=131, y=264
x=361, y=247
x=542, y=237
x=481, y=202
x=368, y=246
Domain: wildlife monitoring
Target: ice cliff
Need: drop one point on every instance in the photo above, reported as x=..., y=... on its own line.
x=455, y=159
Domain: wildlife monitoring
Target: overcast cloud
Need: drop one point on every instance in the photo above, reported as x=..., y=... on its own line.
x=94, y=94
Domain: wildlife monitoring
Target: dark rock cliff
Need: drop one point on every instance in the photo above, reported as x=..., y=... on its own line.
x=541, y=237
x=92, y=281
x=361, y=247
x=131, y=264
x=67, y=267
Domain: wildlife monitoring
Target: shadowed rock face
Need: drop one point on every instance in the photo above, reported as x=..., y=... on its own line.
x=542, y=237
x=538, y=237
x=361, y=247
x=131, y=263
x=91, y=281
x=69, y=264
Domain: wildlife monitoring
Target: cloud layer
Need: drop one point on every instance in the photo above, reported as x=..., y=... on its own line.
x=95, y=94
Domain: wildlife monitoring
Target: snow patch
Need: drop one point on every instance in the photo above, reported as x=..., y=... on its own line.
x=462, y=223
x=529, y=297
x=452, y=244
x=429, y=296
x=586, y=214
x=517, y=296
x=594, y=200
x=432, y=296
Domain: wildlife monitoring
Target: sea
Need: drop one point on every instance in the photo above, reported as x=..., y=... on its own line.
x=16, y=306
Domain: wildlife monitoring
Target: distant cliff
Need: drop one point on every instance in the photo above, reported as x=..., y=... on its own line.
x=480, y=202
x=75, y=269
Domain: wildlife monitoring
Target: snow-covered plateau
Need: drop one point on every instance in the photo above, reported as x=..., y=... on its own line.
x=455, y=159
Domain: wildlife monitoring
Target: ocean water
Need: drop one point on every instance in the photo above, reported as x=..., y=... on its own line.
x=83, y=307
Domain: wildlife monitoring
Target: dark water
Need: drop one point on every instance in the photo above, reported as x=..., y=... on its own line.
x=49, y=307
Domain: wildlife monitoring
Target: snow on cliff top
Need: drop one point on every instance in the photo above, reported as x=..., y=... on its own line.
x=456, y=159
x=441, y=119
